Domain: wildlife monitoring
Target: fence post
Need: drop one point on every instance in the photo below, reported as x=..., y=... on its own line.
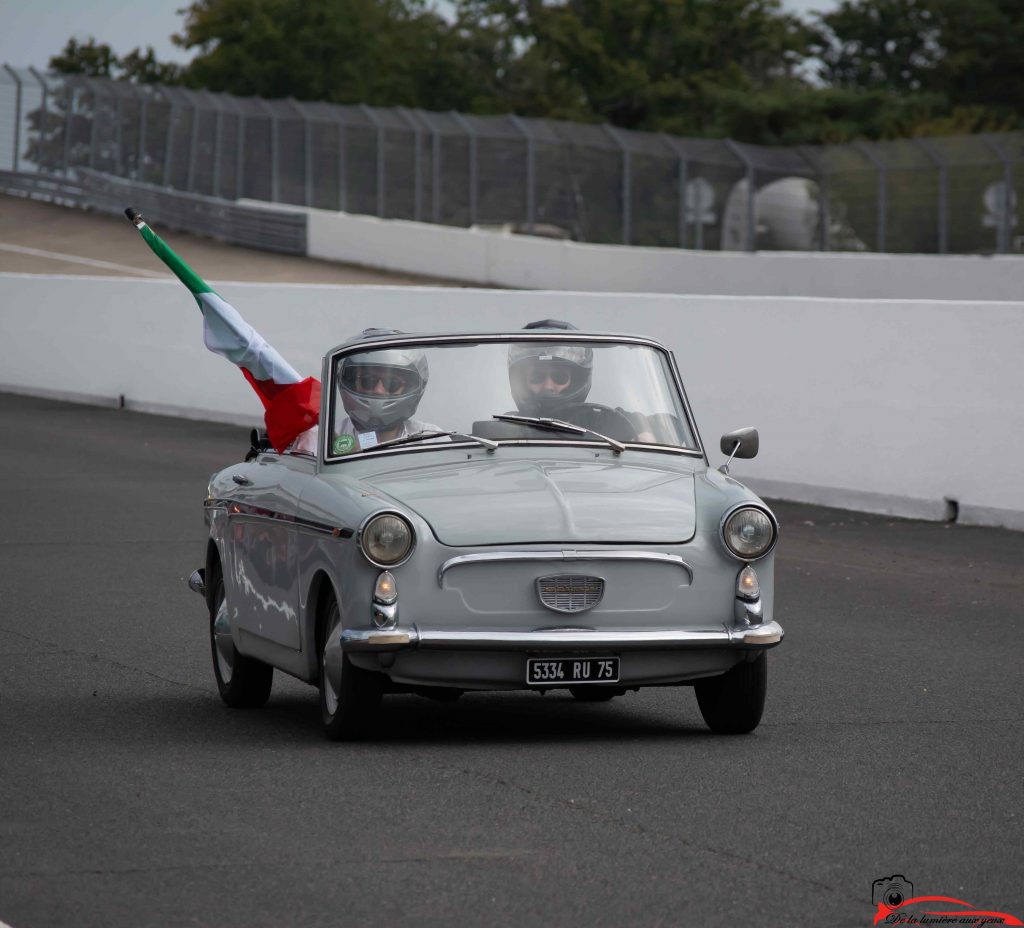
x=824, y=216
x=943, y=206
x=275, y=182
x=342, y=167
x=94, y=127
x=228, y=100
x=119, y=163
x=274, y=189
x=882, y=205
x=626, y=184
x=172, y=118
x=531, y=175
x=416, y=163
x=381, y=176
x=193, y=148
x=474, y=167
x=751, y=211
x=218, y=150
x=17, y=114
x=141, y=158
x=307, y=144
x=1005, y=232
x=44, y=116
x=435, y=174
x=240, y=154
x=682, y=178
x=69, y=95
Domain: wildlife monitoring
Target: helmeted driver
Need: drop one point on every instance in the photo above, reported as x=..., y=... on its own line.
x=547, y=379
x=380, y=391
x=553, y=381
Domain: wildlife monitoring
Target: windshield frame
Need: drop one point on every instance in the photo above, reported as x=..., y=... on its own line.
x=330, y=365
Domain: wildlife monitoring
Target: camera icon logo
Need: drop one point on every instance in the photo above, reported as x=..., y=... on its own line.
x=891, y=891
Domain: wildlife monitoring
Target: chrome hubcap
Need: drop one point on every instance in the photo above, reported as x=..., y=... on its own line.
x=224, y=646
x=331, y=665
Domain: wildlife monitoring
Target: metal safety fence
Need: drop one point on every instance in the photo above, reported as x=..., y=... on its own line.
x=591, y=183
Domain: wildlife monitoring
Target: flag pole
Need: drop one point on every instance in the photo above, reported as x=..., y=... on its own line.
x=291, y=404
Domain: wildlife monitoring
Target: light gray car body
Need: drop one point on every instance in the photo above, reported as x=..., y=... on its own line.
x=488, y=524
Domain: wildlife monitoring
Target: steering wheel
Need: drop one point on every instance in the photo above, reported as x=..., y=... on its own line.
x=604, y=419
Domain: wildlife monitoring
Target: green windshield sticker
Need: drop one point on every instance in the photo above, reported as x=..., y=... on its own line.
x=343, y=444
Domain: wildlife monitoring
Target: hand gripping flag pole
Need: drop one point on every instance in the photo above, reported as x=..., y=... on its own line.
x=291, y=404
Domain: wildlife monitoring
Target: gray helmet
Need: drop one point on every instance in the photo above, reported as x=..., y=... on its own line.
x=405, y=373
x=523, y=358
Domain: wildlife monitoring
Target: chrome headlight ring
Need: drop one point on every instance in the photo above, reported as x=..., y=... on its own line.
x=367, y=524
x=761, y=509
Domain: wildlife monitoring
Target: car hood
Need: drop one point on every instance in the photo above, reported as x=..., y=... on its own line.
x=525, y=502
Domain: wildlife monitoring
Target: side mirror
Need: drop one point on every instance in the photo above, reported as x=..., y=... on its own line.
x=741, y=443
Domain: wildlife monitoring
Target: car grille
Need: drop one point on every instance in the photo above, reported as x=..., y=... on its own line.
x=570, y=592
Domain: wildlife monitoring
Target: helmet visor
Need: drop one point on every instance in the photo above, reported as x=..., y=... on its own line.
x=371, y=380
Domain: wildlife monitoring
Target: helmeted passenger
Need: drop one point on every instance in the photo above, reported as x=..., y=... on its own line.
x=380, y=390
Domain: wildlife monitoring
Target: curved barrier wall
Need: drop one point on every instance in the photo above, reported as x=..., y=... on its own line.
x=903, y=407
x=491, y=258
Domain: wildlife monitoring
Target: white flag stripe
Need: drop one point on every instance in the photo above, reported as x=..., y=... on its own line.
x=226, y=333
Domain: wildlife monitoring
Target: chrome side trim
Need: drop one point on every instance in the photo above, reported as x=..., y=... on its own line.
x=235, y=508
x=762, y=636
x=564, y=555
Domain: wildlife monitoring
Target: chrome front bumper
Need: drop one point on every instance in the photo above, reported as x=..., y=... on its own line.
x=743, y=637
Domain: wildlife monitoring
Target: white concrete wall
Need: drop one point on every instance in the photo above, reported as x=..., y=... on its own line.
x=522, y=261
x=887, y=406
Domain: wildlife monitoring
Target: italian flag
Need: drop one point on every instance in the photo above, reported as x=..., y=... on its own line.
x=291, y=404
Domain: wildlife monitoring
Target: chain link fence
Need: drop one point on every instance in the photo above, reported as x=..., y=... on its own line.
x=589, y=183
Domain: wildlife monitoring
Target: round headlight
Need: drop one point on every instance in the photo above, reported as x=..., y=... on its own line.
x=386, y=540
x=748, y=533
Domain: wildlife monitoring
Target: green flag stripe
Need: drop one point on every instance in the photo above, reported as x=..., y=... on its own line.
x=180, y=269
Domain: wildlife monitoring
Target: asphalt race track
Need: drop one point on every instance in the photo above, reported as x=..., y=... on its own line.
x=129, y=795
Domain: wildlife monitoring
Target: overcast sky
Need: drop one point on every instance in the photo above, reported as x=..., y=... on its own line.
x=31, y=31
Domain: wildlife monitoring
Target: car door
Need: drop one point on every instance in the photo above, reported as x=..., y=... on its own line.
x=262, y=575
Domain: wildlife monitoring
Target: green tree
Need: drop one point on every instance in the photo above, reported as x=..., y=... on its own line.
x=877, y=45
x=91, y=58
x=981, y=63
x=948, y=66
x=381, y=52
x=95, y=59
x=645, y=64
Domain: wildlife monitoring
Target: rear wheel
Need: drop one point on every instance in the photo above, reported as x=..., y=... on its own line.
x=732, y=704
x=243, y=682
x=350, y=697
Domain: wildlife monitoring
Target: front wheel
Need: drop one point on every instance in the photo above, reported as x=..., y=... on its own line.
x=350, y=697
x=243, y=682
x=732, y=704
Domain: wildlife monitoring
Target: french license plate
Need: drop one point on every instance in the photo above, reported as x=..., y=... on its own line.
x=545, y=671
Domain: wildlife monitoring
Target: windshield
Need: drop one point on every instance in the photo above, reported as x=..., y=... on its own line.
x=537, y=390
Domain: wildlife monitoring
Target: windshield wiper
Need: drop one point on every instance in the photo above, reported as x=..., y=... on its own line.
x=559, y=425
x=427, y=434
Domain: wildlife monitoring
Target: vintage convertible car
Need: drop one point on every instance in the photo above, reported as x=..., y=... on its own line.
x=501, y=511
